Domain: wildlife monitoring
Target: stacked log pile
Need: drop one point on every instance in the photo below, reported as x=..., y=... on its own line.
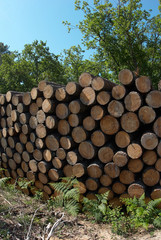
x=106, y=135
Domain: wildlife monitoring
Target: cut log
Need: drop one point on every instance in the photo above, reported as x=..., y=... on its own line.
x=23, y=138
x=17, y=127
x=98, y=138
x=20, y=172
x=72, y=157
x=74, y=120
x=48, y=155
x=120, y=158
x=31, y=176
x=9, y=109
x=68, y=170
x=16, y=99
x=85, y=79
x=17, y=158
x=125, y=77
x=33, y=122
x=3, y=111
x=126, y=177
x=105, y=180
x=52, y=142
x=39, y=185
x=158, y=165
x=115, y=108
x=76, y=106
x=48, y=106
x=39, y=143
x=135, y=165
x=79, y=134
x=37, y=154
x=112, y=170
x=66, y=142
x=79, y=170
x=92, y=184
x=73, y=88
x=42, y=84
x=9, y=95
x=63, y=127
x=149, y=140
x=61, y=95
x=57, y=163
x=3, y=123
x=27, y=98
x=87, y=150
x=118, y=92
x=150, y=177
x=97, y=112
x=132, y=101
x=134, y=150
x=109, y=125
x=30, y=147
x=33, y=109
x=157, y=127
x=39, y=101
x=49, y=91
x=130, y=122
x=51, y=122
x=105, y=154
x=9, y=122
x=122, y=139
x=99, y=83
x=136, y=190
x=26, y=156
x=19, y=147
x=118, y=188
x=103, y=97
x=24, y=118
x=24, y=166
x=53, y=174
x=41, y=131
x=12, y=164
x=143, y=84
x=94, y=170
x=26, y=129
x=146, y=114
x=89, y=123
x=43, y=178
x=153, y=99
x=62, y=111
x=88, y=96
x=2, y=99
x=102, y=190
x=35, y=93
x=61, y=154
x=14, y=115
x=43, y=166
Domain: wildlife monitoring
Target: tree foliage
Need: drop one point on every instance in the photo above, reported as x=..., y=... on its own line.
x=3, y=49
x=123, y=35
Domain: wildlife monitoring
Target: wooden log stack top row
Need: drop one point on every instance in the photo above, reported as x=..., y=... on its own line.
x=105, y=134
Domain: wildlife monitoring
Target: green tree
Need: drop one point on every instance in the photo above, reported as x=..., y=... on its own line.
x=23, y=71
x=122, y=35
x=3, y=50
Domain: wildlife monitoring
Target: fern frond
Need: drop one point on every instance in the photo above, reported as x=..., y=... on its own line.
x=72, y=194
x=152, y=204
x=3, y=181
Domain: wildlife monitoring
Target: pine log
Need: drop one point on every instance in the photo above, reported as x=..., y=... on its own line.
x=48, y=155
x=27, y=98
x=85, y=79
x=3, y=123
x=24, y=118
x=19, y=147
x=105, y=154
x=125, y=77
x=33, y=109
x=14, y=175
x=118, y=188
x=88, y=96
x=47, y=190
x=4, y=132
x=30, y=147
x=23, y=138
x=31, y=176
x=17, y=158
x=67, y=142
x=109, y=125
x=9, y=122
x=89, y=123
x=33, y=122
x=17, y=127
x=52, y=142
x=126, y=177
x=79, y=170
x=136, y=190
x=49, y=91
x=74, y=120
x=2, y=99
x=61, y=95
x=98, y=138
x=39, y=101
x=14, y=115
x=115, y=108
x=10, y=94
x=37, y=154
x=81, y=186
x=92, y=184
x=26, y=156
x=11, y=131
x=3, y=111
x=3, y=142
x=94, y=170
x=76, y=106
x=73, y=88
x=38, y=185
x=112, y=170
x=39, y=143
x=16, y=99
x=150, y=177
x=122, y=139
x=43, y=166
x=156, y=193
x=48, y=106
x=9, y=152
x=149, y=140
x=62, y=111
x=143, y=84
x=53, y=174
x=68, y=170
x=79, y=134
x=21, y=108
x=135, y=165
x=132, y=101
x=20, y=172
x=130, y=122
x=63, y=127
x=99, y=83
x=9, y=109
x=42, y=84
x=4, y=157
x=12, y=164
x=87, y=150
x=97, y=112
x=153, y=99
x=35, y=93
x=158, y=165
x=24, y=166
x=157, y=127
x=120, y=158
x=103, y=97
x=43, y=178
x=134, y=150
x=146, y=114
x=41, y=131
x=51, y=121
x=72, y=157
x=105, y=180
x=57, y=163
x=118, y=92
x=60, y=153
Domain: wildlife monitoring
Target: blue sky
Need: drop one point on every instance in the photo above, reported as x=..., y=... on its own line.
x=23, y=21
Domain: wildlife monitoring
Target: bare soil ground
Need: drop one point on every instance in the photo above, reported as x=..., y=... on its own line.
x=16, y=215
